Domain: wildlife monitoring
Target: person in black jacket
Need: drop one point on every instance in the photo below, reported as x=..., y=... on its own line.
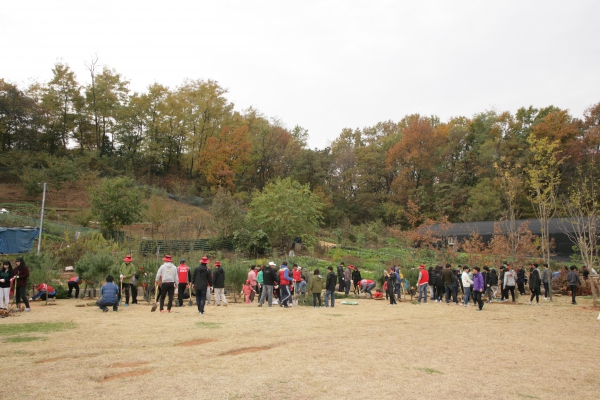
x=330, y=287
x=493, y=283
x=521, y=281
x=200, y=281
x=355, y=279
x=340, y=275
x=432, y=283
x=270, y=278
x=439, y=284
x=391, y=283
x=535, y=282
x=218, y=284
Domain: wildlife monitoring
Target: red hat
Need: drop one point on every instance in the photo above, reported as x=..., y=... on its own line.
x=217, y=264
x=421, y=266
x=248, y=281
x=167, y=258
x=128, y=258
x=204, y=260
x=351, y=266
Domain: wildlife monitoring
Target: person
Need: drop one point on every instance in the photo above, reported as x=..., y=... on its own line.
x=302, y=286
x=209, y=288
x=315, y=287
x=73, y=283
x=399, y=280
x=439, y=284
x=260, y=280
x=510, y=278
x=270, y=278
x=44, y=291
x=20, y=275
x=546, y=278
x=5, y=275
x=574, y=281
x=431, y=283
x=285, y=280
x=422, y=282
x=127, y=275
x=447, y=281
x=521, y=280
x=503, y=294
x=492, y=284
x=218, y=283
x=366, y=285
x=330, y=287
x=252, y=278
x=109, y=295
x=340, y=274
x=391, y=284
x=467, y=282
x=201, y=280
x=478, y=287
x=247, y=291
x=297, y=274
x=167, y=276
x=585, y=273
x=378, y=295
x=184, y=276
x=534, y=283
x=348, y=278
x=356, y=278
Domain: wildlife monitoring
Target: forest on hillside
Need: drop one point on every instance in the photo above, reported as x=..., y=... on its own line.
x=192, y=140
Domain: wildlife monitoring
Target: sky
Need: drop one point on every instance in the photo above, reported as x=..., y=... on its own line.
x=324, y=65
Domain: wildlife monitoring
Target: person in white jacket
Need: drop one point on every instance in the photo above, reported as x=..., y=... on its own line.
x=510, y=280
x=467, y=282
x=166, y=276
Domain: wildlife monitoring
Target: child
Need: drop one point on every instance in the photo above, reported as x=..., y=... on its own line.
x=248, y=290
x=378, y=295
x=302, y=286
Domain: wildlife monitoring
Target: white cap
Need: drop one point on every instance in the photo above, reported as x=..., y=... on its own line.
x=271, y=263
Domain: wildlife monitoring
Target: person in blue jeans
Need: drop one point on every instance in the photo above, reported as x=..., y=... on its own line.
x=43, y=290
x=109, y=292
x=467, y=282
x=330, y=287
x=423, y=282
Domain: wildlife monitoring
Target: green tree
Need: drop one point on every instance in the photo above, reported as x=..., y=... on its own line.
x=116, y=202
x=227, y=213
x=286, y=208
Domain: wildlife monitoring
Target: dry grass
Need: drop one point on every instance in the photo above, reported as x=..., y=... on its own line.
x=372, y=350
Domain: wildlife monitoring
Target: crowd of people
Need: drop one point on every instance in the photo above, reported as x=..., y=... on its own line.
x=283, y=286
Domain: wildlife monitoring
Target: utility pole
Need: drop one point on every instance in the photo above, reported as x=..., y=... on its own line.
x=42, y=220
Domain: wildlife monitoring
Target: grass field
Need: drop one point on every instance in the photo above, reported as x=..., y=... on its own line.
x=371, y=350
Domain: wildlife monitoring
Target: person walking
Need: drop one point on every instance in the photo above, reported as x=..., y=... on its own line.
x=20, y=275
x=330, y=287
x=422, y=283
x=448, y=281
x=5, y=274
x=218, y=283
x=534, y=283
x=201, y=281
x=252, y=278
x=184, y=276
x=127, y=276
x=431, y=283
x=270, y=279
x=259, y=280
x=521, y=280
x=74, y=284
x=510, y=279
x=467, y=282
x=574, y=281
x=167, y=277
x=285, y=280
x=546, y=279
x=315, y=287
x=478, y=287
x=108, y=295
x=493, y=284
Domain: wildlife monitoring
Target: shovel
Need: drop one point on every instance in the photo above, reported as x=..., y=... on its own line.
x=191, y=302
x=121, y=292
x=155, y=298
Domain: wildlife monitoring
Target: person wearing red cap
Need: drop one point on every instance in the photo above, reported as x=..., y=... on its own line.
x=127, y=275
x=422, y=282
x=167, y=277
x=247, y=290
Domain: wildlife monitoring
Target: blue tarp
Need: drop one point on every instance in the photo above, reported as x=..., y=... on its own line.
x=17, y=240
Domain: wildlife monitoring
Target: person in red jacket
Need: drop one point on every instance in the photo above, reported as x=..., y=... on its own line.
x=185, y=276
x=422, y=282
x=44, y=290
x=74, y=284
x=285, y=280
x=20, y=275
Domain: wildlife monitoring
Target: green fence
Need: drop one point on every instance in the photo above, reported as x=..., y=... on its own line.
x=148, y=247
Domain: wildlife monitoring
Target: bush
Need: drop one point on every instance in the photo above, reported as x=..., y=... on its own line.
x=61, y=292
x=251, y=243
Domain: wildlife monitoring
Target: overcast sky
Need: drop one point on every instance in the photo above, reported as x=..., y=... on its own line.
x=324, y=65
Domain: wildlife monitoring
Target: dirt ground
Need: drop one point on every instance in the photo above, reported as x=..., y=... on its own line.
x=371, y=350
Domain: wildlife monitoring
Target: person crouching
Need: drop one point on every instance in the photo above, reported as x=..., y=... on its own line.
x=109, y=292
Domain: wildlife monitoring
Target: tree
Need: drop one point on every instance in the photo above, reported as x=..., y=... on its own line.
x=285, y=208
x=116, y=202
x=544, y=180
x=227, y=214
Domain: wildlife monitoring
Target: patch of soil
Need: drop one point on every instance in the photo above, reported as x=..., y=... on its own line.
x=47, y=360
x=128, y=365
x=245, y=350
x=125, y=375
x=196, y=342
